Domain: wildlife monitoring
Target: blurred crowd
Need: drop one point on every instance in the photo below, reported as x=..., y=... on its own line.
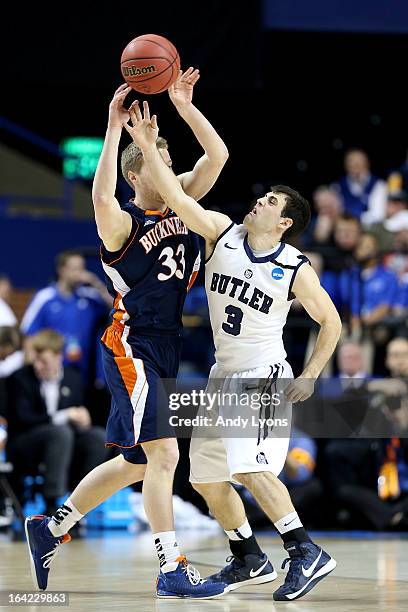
x=54, y=402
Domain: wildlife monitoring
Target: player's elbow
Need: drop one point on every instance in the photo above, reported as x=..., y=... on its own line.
x=219, y=159
x=224, y=154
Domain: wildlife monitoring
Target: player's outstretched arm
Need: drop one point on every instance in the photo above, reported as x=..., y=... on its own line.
x=144, y=131
x=202, y=177
x=320, y=307
x=114, y=225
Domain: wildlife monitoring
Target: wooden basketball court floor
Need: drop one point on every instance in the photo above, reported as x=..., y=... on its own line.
x=117, y=571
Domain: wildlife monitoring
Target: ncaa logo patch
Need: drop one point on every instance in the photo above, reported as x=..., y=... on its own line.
x=261, y=458
x=248, y=273
x=277, y=273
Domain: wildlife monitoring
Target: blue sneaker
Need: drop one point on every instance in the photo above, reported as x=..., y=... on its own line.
x=308, y=565
x=43, y=547
x=185, y=582
x=253, y=569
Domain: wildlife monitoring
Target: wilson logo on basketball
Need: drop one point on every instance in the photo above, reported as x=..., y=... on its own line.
x=135, y=71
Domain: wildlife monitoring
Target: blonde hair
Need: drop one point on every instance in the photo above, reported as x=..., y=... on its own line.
x=47, y=340
x=132, y=158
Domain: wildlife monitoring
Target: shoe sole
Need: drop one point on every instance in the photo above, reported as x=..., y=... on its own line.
x=324, y=571
x=256, y=580
x=175, y=596
x=32, y=566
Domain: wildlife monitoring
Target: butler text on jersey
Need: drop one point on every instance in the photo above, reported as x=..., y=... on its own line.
x=236, y=287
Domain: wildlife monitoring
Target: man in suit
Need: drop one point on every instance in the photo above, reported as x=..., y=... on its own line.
x=48, y=424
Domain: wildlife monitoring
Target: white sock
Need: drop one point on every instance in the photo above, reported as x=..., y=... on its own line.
x=167, y=550
x=242, y=533
x=64, y=518
x=288, y=523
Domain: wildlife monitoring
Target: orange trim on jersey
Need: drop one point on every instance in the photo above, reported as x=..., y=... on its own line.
x=124, y=251
x=120, y=312
x=109, y=444
x=112, y=339
x=157, y=212
x=192, y=280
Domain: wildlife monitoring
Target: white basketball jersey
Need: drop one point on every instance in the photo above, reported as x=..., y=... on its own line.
x=249, y=299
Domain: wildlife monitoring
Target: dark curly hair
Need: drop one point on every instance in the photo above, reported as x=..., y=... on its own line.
x=296, y=208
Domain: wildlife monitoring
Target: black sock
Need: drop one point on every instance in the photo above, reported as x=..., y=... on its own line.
x=247, y=546
x=296, y=535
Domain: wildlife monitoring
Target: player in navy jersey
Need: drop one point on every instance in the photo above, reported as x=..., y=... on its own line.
x=150, y=259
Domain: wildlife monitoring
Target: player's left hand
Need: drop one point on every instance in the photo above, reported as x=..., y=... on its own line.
x=144, y=130
x=299, y=389
x=181, y=92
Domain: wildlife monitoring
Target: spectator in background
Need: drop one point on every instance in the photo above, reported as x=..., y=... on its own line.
x=7, y=316
x=373, y=294
x=73, y=306
x=350, y=361
x=347, y=232
x=363, y=194
x=398, y=179
x=329, y=207
x=11, y=354
x=397, y=357
x=345, y=396
x=396, y=220
x=368, y=478
x=48, y=424
x=356, y=477
x=396, y=361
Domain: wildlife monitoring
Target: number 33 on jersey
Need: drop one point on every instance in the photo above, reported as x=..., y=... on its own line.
x=150, y=275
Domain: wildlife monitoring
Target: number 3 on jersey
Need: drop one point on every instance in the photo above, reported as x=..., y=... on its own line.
x=172, y=263
x=233, y=323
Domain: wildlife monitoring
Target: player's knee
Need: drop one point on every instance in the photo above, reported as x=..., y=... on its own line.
x=162, y=454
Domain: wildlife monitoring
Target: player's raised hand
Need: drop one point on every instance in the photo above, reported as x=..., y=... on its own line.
x=181, y=92
x=144, y=129
x=118, y=114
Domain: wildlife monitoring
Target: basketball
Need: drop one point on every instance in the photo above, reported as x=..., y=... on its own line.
x=150, y=64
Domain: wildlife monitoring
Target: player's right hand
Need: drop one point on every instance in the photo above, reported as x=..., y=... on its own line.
x=118, y=114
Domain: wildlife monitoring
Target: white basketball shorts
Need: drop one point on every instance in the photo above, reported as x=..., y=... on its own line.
x=237, y=445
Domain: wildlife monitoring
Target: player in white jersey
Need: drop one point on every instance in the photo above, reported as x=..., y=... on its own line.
x=252, y=277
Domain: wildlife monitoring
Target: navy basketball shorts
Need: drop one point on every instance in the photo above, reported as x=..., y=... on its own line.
x=138, y=369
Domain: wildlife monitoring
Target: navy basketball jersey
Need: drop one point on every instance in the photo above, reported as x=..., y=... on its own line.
x=150, y=275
